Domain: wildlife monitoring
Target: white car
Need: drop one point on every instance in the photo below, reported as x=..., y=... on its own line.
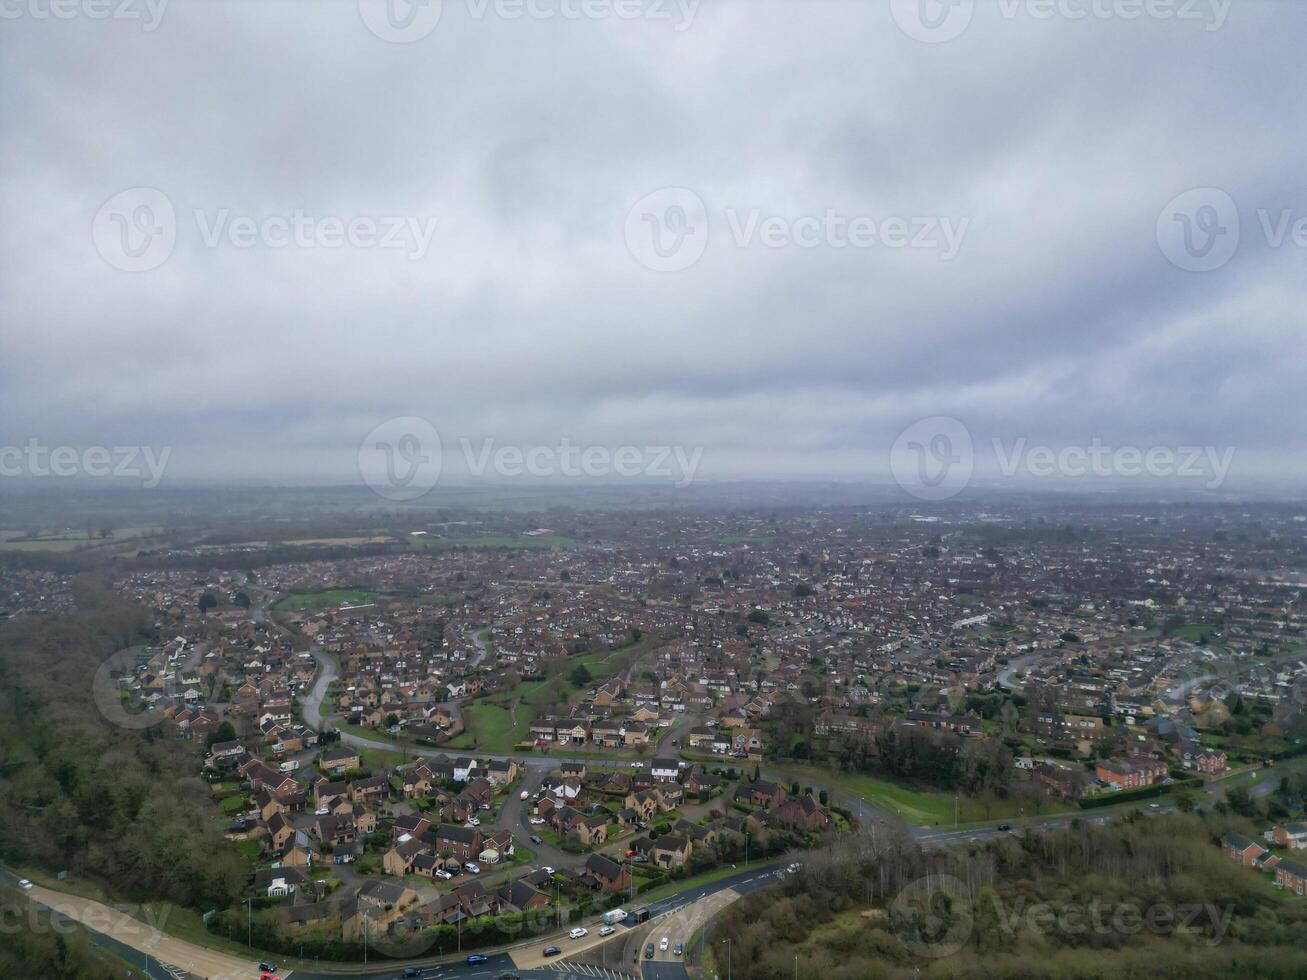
x=474, y=822
x=547, y=870
x=537, y=821
x=662, y=944
x=443, y=875
x=606, y=930
x=24, y=883
x=472, y=869
x=578, y=933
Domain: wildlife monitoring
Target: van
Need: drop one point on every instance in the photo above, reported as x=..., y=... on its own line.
x=640, y=915
x=290, y=766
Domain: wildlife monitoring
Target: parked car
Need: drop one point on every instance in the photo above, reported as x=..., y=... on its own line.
x=485, y=806
x=553, y=950
x=547, y=870
x=606, y=930
x=267, y=967
x=578, y=933
x=649, y=951
x=524, y=795
x=473, y=822
x=537, y=821
x=537, y=839
x=509, y=976
x=443, y=875
x=476, y=958
x=1004, y=827
x=472, y=868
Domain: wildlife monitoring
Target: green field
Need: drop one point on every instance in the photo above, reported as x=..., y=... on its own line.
x=491, y=728
x=541, y=543
x=324, y=600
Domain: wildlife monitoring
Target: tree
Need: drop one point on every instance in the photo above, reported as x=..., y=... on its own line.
x=392, y=720
x=242, y=600
x=207, y=601
x=223, y=733
x=758, y=616
x=580, y=676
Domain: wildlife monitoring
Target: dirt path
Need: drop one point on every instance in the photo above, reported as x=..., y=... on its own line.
x=146, y=937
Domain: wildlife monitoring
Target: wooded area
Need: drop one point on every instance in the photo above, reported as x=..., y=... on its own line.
x=79, y=793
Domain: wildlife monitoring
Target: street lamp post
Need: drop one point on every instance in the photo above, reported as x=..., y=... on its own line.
x=727, y=941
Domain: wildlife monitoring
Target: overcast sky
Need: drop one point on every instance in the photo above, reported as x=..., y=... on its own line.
x=1021, y=267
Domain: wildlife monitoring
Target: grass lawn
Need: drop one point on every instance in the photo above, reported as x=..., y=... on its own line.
x=379, y=759
x=323, y=600
x=489, y=726
x=1194, y=632
x=232, y=804
x=915, y=806
x=540, y=543
x=250, y=848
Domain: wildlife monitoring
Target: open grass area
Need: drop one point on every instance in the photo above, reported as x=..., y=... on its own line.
x=379, y=759
x=543, y=542
x=489, y=726
x=325, y=600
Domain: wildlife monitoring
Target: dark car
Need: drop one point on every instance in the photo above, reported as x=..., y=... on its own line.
x=537, y=839
x=1005, y=827
x=267, y=967
x=509, y=976
x=553, y=950
x=411, y=971
x=678, y=949
x=476, y=958
x=649, y=951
